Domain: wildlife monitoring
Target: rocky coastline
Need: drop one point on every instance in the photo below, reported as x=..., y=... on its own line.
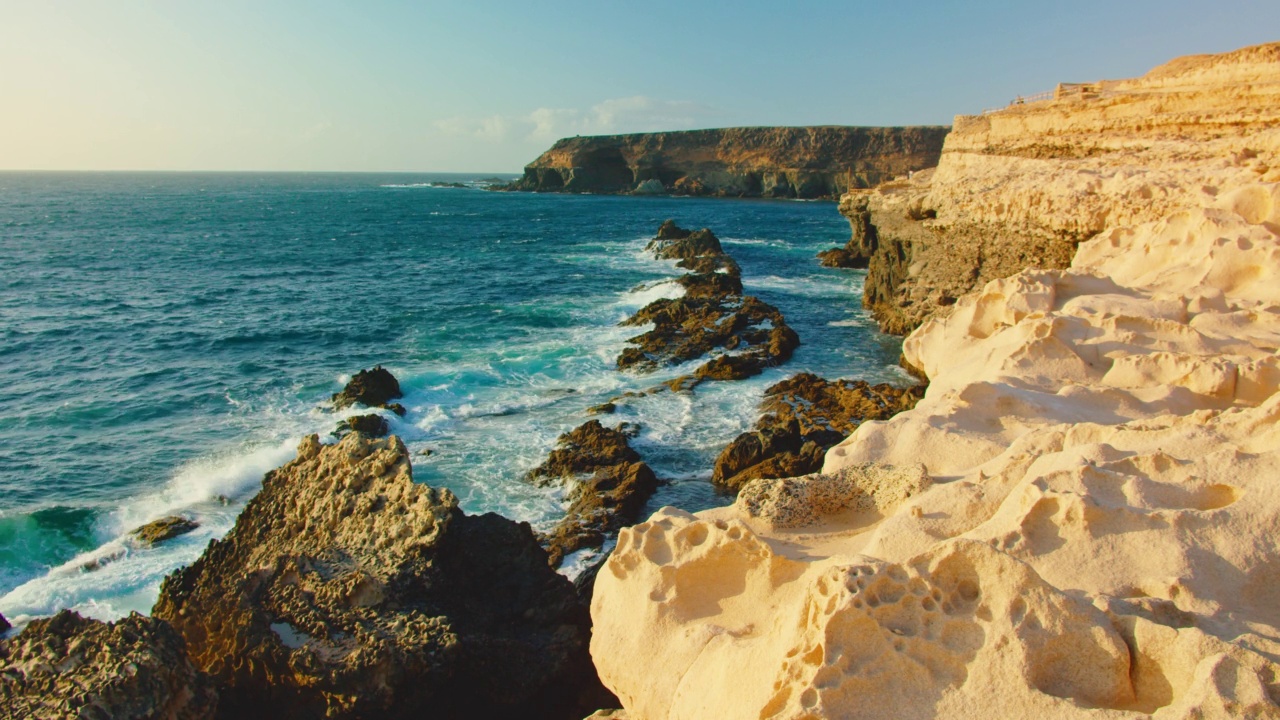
x=769, y=162
x=1074, y=518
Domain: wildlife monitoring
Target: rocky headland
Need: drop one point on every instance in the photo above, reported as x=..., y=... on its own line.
x=779, y=162
x=1077, y=520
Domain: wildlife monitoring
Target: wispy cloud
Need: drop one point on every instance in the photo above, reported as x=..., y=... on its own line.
x=619, y=115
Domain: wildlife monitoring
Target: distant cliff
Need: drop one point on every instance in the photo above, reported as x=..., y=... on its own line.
x=784, y=162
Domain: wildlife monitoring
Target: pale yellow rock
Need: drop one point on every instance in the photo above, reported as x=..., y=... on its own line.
x=1080, y=518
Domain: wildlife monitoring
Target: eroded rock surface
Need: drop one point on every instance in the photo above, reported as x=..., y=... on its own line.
x=347, y=590
x=67, y=666
x=1078, y=518
x=1023, y=187
x=789, y=162
x=801, y=418
x=741, y=333
x=608, y=487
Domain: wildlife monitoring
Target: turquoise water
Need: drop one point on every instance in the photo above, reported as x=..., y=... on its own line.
x=165, y=339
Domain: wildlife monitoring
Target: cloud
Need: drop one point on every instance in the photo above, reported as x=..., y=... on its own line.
x=619, y=115
x=495, y=128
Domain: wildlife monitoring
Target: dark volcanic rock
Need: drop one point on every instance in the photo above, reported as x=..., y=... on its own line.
x=4, y=624
x=346, y=590
x=585, y=449
x=372, y=388
x=600, y=506
x=70, y=667
x=785, y=162
x=163, y=529
x=684, y=245
x=842, y=258
x=743, y=333
x=370, y=425
x=803, y=417
x=669, y=230
x=609, y=486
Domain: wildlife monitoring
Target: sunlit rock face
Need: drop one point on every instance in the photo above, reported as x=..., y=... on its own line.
x=1024, y=186
x=783, y=162
x=1078, y=518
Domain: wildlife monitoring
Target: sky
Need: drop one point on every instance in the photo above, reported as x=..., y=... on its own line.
x=487, y=85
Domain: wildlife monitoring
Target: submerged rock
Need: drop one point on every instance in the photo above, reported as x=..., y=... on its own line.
x=371, y=388
x=609, y=486
x=67, y=666
x=163, y=529
x=347, y=590
x=803, y=417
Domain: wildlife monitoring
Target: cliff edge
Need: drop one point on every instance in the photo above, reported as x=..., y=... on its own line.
x=1024, y=186
x=1078, y=518
x=782, y=162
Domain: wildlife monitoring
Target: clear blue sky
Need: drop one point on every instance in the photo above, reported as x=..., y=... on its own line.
x=485, y=86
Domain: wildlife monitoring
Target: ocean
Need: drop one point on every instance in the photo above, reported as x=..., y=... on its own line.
x=166, y=339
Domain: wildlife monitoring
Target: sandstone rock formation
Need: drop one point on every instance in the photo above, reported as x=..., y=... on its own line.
x=1024, y=186
x=786, y=162
x=742, y=333
x=609, y=486
x=346, y=590
x=67, y=666
x=801, y=418
x=1076, y=521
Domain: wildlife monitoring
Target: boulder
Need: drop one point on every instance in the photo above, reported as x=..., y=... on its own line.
x=584, y=449
x=70, y=667
x=371, y=388
x=163, y=529
x=370, y=425
x=346, y=590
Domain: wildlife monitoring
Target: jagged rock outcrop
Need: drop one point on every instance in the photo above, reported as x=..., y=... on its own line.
x=801, y=418
x=787, y=162
x=742, y=334
x=346, y=590
x=70, y=667
x=1076, y=521
x=371, y=388
x=1023, y=187
x=609, y=486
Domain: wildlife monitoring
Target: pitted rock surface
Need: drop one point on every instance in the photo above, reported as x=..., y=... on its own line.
x=68, y=666
x=347, y=590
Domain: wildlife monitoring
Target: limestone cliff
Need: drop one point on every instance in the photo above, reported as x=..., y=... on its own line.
x=1024, y=186
x=784, y=162
x=1078, y=518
